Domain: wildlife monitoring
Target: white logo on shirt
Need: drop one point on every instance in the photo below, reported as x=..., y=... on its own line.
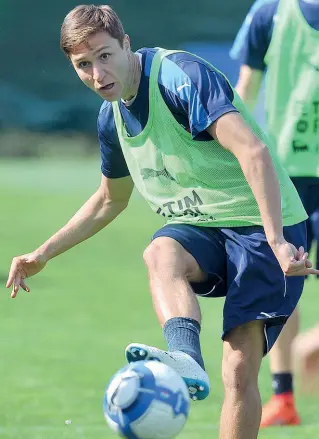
x=180, y=87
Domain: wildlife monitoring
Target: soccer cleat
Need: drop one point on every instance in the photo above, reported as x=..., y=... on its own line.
x=194, y=376
x=280, y=410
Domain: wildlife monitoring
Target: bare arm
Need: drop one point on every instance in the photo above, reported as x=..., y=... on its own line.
x=248, y=85
x=104, y=206
x=253, y=156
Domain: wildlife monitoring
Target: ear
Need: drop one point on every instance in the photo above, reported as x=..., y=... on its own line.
x=127, y=43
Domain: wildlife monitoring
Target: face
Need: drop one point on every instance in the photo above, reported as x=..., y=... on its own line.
x=103, y=65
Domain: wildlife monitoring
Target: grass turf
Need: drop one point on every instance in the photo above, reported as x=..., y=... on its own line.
x=60, y=344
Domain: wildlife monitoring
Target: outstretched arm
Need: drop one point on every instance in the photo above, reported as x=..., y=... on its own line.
x=104, y=206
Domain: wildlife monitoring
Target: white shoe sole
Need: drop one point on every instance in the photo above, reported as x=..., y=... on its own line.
x=194, y=376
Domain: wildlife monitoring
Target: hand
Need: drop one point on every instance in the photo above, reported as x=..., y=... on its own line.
x=293, y=262
x=22, y=267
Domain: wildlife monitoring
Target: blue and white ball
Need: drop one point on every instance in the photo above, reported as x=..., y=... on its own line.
x=146, y=400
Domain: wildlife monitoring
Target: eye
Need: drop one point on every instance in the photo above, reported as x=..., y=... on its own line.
x=84, y=64
x=104, y=56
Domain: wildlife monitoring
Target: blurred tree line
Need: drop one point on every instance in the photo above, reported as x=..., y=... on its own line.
x=39, y=90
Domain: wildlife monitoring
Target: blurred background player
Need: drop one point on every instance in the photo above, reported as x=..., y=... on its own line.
x=306, y=360
x=283, y=36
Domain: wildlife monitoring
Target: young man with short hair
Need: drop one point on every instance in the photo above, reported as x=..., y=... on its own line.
x=172, y=125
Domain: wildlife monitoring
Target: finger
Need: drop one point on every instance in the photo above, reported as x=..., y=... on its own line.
x=24, y=286
x=312, y=271
x=301, y=252
x=13, y=293
x=302, y=271
x=308, y=263
x=17, y=282
x=298, y=268
x=293, y=252
x=12, y=274
x=9, y=282
x=16, y=286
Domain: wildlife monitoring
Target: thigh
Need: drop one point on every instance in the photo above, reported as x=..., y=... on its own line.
x=167, y=255
x=206, y=246
x=257, y=287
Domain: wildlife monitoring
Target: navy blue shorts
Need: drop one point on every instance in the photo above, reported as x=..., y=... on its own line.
x=314, y=226
x=242, y=268
x=308, y=190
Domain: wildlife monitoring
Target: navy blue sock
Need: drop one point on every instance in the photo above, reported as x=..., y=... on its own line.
x=182, y=334
x=282, y=383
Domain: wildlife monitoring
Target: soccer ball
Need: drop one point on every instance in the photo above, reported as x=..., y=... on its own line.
x=146, y=400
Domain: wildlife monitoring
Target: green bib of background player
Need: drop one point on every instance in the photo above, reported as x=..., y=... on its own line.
x=194, y=182
x=292, y=91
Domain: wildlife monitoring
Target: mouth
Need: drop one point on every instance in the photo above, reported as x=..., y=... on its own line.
x=107, y=87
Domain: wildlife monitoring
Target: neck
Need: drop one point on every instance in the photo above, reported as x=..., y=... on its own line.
x=134, y=77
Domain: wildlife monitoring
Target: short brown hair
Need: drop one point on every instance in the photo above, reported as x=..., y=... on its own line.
x=86, y=20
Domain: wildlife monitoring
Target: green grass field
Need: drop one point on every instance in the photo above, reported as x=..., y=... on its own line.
x=60, y=344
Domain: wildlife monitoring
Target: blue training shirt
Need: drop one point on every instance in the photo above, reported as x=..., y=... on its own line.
x=254, y=37
x=196, y=94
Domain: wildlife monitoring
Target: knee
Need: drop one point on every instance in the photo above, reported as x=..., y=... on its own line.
x=236, y=372
x=243, y=352
x=152, y=255
x=159, y=256
x=169, y=258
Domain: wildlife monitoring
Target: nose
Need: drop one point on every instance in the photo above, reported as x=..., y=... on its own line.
x=98, y=73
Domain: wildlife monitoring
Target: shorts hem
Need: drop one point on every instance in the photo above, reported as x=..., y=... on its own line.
x=268, y=323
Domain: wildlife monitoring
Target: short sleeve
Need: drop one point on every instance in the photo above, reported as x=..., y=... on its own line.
x=257, y=37
x=113, y=164
x=198, y=90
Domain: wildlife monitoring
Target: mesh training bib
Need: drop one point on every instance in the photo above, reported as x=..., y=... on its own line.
x=292, y=91
x=194, y=182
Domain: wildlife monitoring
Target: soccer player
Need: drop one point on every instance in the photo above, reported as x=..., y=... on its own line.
x=172, y=125
x=283, y=37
